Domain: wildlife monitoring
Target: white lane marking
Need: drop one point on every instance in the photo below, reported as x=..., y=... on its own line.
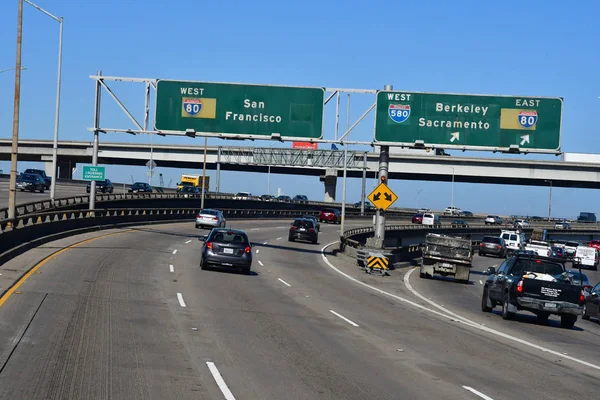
x=457, y=318
x=189, y=241
x=483, y=396
x=279, y=238
x=261, y=264
x=480, y=282
x=257, y=251
x=174, y=251
x=344, y=318
x=284, y=282
x=220, y=381
x=254, y=229
x=264, y=242
x=180, y=298
x=171, y=268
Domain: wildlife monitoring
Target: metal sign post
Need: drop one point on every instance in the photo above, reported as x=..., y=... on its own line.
x=384, y=157
x=95, y=150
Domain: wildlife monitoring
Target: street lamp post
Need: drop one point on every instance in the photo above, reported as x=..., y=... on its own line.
x=57, y=111
x=12, y=198
x=417, y=197
x=549, y=200
x=452, y=197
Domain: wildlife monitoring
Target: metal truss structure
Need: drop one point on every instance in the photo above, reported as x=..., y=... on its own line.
x=292, y=157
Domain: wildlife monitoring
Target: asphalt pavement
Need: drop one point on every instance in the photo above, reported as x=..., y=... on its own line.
x=129, y=314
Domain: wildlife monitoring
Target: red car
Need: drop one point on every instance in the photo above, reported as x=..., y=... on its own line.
x=595, y=244
x=330, y=215
x=417, y=219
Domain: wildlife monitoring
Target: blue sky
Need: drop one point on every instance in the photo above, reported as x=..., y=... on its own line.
x=535, y=48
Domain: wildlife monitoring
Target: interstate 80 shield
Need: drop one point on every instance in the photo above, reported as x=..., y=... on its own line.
x=191, y=106
x=399, y=112
x=528, y=119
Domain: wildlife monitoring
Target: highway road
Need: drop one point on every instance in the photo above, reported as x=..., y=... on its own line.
x=128, y=313
x=62, y=190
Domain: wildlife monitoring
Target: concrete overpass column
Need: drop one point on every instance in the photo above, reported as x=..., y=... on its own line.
x=65, y=168
x=330, y=181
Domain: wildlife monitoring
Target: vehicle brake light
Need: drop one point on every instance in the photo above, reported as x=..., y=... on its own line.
x=581, y=297
x=519, y=245
x=481, y=244
x=248, y=249
x=498, y=246
x=209, y=245
x=311, y=230
x=215, y=218
x=520, y=287
x=293, y=228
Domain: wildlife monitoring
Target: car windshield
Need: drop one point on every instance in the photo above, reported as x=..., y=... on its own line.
x=491, y=239
x=209, y=212
x=33, y=171
x=538, y=266
x=28, y=177
x=186, y=184
x=243, y=194
x=221, y=236
x=188, y=189
x=419, y=215
x=303, y=224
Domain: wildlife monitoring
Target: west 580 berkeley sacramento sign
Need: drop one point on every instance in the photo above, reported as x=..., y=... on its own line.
x=468, y=121
x=245, y=110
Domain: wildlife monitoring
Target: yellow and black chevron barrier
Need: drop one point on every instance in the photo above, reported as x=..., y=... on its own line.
x=378, y=262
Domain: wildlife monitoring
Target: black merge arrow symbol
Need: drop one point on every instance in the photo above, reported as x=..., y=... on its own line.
x=388, y=197
x=377, y=196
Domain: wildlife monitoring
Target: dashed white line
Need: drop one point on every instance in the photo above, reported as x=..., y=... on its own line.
x=180, y=298
x=254, y=229
x=171, y=268
x=175, y=251
x=257, y=251
x=453, y=317
x=483, y=396
x=220, y=381
x=264, y=242
x=480, y=282
x=344, y=318
x=189, y=241
x=279, y=238
x=261, y=264
x=284, y=282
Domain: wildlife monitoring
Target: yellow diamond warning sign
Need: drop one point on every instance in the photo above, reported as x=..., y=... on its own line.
x=382, y=197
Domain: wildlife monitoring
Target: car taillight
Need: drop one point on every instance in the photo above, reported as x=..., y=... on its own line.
x=209, y=245
x=520, y=287
x=311, y=230
x=481, y=244
x=215, y=218
x=248, y=249
x=581, y=297
x=519, y=245
x=293, y=228
x=498, y=246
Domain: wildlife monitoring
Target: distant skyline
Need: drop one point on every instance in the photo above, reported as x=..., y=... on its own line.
x=521, y=48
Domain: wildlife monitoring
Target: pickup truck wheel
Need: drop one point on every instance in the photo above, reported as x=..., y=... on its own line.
x=505, y=313
x=585, y=314
x=567, y=321
x=484, y=301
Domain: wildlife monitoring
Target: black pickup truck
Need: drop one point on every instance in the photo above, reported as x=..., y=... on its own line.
x=536, y=284
x=42, y=173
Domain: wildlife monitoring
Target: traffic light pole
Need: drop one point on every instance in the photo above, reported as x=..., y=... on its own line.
x=384, y=159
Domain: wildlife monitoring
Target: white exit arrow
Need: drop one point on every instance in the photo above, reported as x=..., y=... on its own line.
x=455, y=136
x=524, y=139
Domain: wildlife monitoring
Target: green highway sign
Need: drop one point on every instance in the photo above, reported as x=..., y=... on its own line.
x=466, y=121
x=239, y=109
x=91, y=173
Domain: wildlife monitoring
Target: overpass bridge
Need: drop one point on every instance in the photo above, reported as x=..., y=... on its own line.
x=324, y=163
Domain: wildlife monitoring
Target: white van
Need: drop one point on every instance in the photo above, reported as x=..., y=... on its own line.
x=514, y=240
x=586, y=257
x=431, y=219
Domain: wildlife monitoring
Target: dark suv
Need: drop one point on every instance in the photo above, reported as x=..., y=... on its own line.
x=104, y=186
x=493, y=245
x=140, y=187
x=304, y=229
x=330, y=215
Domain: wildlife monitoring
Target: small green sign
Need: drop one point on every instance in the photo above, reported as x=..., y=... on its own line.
x=240, y=109
x=91, y=173
x=469, y=121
